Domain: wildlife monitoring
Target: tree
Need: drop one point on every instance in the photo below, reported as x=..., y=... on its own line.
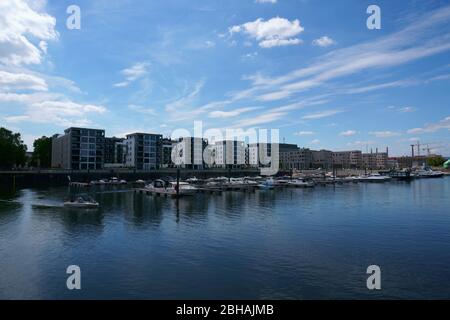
x=12, y=149
x=435, y=161
x=42, y=154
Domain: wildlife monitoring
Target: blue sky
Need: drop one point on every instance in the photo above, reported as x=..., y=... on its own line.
x=309, y=68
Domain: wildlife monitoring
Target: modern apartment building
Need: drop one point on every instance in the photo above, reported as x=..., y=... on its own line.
x=166, y=153
x=256, y=150
x=79, y=149
x=143, y=151
x=188, y=153
x=115, y=151
x=229, y=153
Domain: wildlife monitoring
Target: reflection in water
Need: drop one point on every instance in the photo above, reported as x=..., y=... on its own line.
x=291, y=243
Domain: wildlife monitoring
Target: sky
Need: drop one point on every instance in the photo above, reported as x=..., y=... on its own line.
x=310, y=68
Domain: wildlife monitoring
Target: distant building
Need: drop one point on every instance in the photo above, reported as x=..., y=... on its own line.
x=143, y=151
x=322, y=159
x=377, y=160
x=347, y=159
x=188, y=152
x=300, y=159
x=255, y=150
x=78, y=149
x=166, y=152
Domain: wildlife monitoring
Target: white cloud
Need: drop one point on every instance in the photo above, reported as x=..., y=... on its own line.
x=407, y=109
x=324, y=41
x=385, y=134
x=392, y=84
x=261, y=119
x=210, y=44
x=265, y=1
x=421, y=39
x=21, y=81
x=304, y=133
x=315, y=141
x=230, y=114
x=271, y=33
x=143, y=110
x=432, y=127
x=321, y=114
x=348, y=133
x=361, y=143
x=269, y=43
x=20, y=27
x=61, y=113
x=250, y=55
x=138, y=70
x=179, y=105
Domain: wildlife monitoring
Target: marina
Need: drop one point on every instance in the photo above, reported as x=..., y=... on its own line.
x=282, y=242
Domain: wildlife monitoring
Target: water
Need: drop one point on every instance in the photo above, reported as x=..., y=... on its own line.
x=280, y=244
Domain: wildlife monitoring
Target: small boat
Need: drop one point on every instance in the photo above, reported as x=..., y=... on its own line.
x=139, y=182
x=98, y=182
x=250, y=181
x=374, y=178
x=428, y=173
x=170, y=188
x=281, y=182
x=404, y=174
x=267, y=184
x=298, y=183
x=82, y=202
x=192, y=180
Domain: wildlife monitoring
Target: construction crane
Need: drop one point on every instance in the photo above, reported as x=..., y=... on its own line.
x=418, y=144
x=434, y=145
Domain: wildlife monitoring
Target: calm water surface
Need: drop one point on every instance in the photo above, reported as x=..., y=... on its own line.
x=282, y=244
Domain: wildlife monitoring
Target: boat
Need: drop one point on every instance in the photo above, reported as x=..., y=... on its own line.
x=193, y=180
x=170, y=188
x=267, y=184
x=250, y=181
x=428, y=173
x=98, y=182
x=281, y=182
x=374, y=178
x=299, y=183
x=404, y=174
x=81, y=202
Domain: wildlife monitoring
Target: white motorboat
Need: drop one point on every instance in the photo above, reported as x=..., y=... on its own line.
x=267, y=184
x=427, y=173
x=374, y=178
x=193, y=180
x=170, y=188
x=301, y=183
x=81, y=202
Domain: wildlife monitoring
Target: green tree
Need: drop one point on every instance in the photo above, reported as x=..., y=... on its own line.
x=436, y=161
x=42, y=154
x=12, y=149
